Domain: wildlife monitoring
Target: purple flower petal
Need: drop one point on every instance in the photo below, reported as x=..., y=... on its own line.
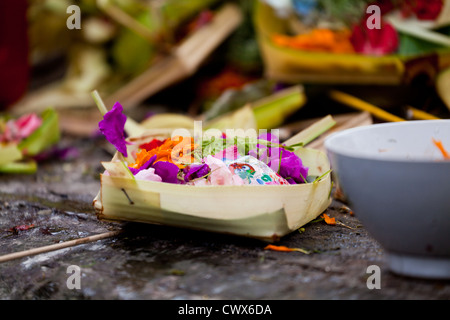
x=167, y=171
x=146, y=165
x=291, y=167
x=59, y=153
x=195, y=171
x=269, y=137
x=112, y=126
x=283, y=161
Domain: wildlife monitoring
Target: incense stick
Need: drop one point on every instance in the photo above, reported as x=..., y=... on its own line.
x=57, y=246
x=361, y=105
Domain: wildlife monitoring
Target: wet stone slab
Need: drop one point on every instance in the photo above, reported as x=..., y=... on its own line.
x=159, y=262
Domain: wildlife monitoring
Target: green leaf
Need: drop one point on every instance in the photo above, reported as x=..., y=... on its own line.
x=320, y=177
x=26, y=167
x=9, y=153
x=412, y=46
x=272, y=111
x=233, y=99
x=312, y=132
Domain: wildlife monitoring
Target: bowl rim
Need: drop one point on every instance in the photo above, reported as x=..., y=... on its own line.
x=331, y=148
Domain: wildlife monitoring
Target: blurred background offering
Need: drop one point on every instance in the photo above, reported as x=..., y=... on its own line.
x=339, y=42
x=205, y=58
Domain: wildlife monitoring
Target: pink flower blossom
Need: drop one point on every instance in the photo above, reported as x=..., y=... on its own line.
x=148, y=174
x=220, y=174
x=16, y=130
x=229, y=153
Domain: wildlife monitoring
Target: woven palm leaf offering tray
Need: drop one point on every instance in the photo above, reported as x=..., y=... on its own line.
x=252, y=186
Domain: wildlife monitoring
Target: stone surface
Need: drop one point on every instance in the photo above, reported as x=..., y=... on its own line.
x=160, y=262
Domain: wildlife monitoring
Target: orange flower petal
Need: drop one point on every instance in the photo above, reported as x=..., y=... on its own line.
x=321, y=40
x=328, y=220
x=284, y=249
x=141, y=157
x=278, y=248
x=177, y=150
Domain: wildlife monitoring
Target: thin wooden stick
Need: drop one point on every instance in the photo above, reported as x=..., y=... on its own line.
x=57, y=246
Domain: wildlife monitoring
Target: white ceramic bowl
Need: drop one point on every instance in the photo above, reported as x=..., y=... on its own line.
x=398, y=185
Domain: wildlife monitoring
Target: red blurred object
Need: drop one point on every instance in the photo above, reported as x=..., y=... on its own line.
x=376, y=42
x=155, y=143
x=422, y=9
x=14, y=65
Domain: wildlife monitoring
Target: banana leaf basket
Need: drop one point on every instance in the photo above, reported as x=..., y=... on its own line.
x=265, y=212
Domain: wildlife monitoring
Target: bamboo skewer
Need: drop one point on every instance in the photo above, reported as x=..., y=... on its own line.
x=57, y=246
